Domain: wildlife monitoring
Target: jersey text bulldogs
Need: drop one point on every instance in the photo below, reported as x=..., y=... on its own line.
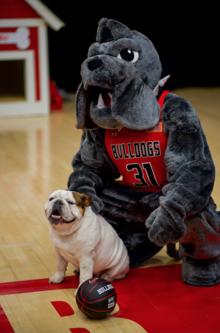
x=136, y=150
x=139, y=156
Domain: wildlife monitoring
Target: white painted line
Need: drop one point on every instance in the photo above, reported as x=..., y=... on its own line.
x=14, y=245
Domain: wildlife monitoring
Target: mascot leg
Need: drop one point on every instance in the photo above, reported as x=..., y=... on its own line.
x=200, y=248
x=126, y=210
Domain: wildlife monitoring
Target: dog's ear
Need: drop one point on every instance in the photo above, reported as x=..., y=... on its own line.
x=82, y=200
x=103, y=32
x=109, y=30
x=118, y=30
x=84, y=120
x=138, y=108
x=85, y=199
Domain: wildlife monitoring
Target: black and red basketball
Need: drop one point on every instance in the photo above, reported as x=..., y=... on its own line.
x=96, y=298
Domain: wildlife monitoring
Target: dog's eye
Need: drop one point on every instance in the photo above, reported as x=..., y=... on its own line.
x=51, y=199
x=70, y=202
x=128, y=55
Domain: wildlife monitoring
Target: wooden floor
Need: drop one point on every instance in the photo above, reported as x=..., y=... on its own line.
x=35, y=159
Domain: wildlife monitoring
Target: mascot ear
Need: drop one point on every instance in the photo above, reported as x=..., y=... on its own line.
x=103, y=32
x=84, y=120
x=118, y=30
x=111, y=30
x=137, y=108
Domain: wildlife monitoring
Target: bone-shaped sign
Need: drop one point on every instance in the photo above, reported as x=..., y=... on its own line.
x=20, y=37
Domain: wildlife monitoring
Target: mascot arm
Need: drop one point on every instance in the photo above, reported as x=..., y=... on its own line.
x=190, y=172
x=93, y=168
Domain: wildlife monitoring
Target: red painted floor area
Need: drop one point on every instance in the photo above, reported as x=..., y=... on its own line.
x=155, y=297
x=5, y=326
x=63, y=308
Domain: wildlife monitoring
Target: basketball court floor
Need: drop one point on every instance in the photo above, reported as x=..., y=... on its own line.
x=35, y=160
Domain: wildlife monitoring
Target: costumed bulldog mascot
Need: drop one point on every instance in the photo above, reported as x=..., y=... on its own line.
x=153, y=139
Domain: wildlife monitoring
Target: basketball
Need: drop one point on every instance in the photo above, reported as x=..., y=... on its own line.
x=96, y=298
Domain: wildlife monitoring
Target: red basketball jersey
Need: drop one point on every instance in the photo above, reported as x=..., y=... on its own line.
x=139, y=155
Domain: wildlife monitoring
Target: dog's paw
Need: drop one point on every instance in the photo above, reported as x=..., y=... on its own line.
x=76, y=272
x=57, y=278
x=106, y=277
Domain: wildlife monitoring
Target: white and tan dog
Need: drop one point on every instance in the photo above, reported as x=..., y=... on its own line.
x=84, y=239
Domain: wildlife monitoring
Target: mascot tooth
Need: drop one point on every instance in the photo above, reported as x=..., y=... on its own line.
x=101, y=103
x=134, y=128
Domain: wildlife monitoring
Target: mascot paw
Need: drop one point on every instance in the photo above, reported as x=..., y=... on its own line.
x=96, y=204
x=163, y=229
x=57, y=278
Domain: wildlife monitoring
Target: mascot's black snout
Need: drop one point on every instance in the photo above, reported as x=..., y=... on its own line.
x=94, y=64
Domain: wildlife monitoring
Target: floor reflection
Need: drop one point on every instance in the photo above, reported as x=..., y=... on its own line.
x=24, y=149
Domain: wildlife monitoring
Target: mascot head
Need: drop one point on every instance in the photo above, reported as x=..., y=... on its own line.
x=118, y=79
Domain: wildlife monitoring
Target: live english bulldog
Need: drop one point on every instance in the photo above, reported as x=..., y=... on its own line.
x=84, y=239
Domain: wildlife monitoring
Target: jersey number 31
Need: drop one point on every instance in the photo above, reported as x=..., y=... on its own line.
x=139, y=175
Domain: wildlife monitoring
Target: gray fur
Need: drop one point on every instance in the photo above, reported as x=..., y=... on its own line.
x=183, y=211
x=190, y=172
x=201, y=273
x=181, y=113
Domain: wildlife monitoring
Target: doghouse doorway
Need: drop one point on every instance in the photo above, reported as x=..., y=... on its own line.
x=18, y=97
x=12, y=80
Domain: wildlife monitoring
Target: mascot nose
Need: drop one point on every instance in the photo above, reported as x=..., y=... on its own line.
x=94, y=64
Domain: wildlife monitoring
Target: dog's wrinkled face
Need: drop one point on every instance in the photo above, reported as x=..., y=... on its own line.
x=65, y=209
x=118, y=79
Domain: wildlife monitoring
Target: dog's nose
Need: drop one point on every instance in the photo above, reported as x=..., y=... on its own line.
x=59, y=202
x=94, y=64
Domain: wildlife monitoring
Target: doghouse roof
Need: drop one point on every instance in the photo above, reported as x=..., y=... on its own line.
x=52, y=20
x=27, y=9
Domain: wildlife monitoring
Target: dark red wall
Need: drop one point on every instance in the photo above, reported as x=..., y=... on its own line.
x=10, y=9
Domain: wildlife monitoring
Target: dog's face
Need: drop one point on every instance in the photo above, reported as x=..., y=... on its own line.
x=65, y=209
x=118, y=79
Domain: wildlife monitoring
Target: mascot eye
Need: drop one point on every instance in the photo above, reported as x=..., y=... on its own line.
x=71, y=203
x=129, y=55
x=50, y=199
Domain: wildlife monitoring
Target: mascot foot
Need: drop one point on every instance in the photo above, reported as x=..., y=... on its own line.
x=202, y=272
